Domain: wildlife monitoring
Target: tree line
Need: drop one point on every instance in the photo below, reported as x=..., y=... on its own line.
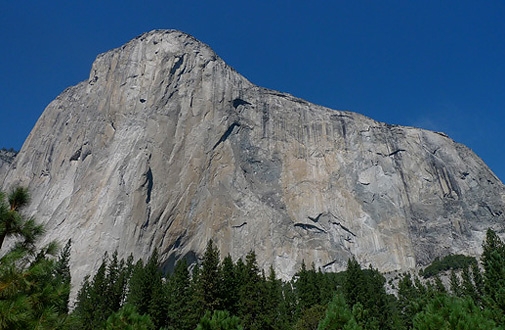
x=222, y=293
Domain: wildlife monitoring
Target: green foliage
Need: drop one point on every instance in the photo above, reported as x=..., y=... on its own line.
x=452, y=261
x=30, y=295
x=34, y=284
x=14, y=224
x=364, y=291
x=178, y=293
x=306, y=287
x=252, y=294
x=338, y=316
x=446, y=312
x=62, y=276
x=220, y=320
x=230, y=285
x=145, y=289
x=310, y=318
x=210, y=283
x=127, y=318
x=34, y=288
x=104, y=294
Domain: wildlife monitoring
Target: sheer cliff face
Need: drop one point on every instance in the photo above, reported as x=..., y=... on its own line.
x=166, y=146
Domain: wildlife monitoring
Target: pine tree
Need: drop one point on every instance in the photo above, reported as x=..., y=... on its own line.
x=220, y=320
x=178, y=292
x=478, y=281
x=449, y=312
x=230, y=285
x=14, y=224
x=92, y=309
x=493, y=262
x=127, y=318
x=408, y=299
x=306, y=287
x=288, y=310
x=338, y=316
x=30, y=297
x=355, y=283
x=145, y=284
x=34, y=285
x=252, y=294
x=455, y=284
x=468, y=288
x=62, y=277
x=273, y=318
x=196, y=307
x=210, y=279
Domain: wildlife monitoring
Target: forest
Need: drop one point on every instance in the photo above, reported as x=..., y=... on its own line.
x=222, y=293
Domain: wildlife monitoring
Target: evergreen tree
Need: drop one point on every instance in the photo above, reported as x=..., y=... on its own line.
x=307, y=287
x=33, y=285
x=455, y=284
x=468, y=288
x=288, y=310
x=210, y=276
x=14, y=224
x=338, y=316
x=114, y=292
x=220, y=320
x=355, y=283
x=439, y=285
x=230, y=286
x=92, y=308
x=30, y=297
x=310, y=318
x=127, y=318
x=252, y=294
x=62, y=277
x=273, y=318
x=478, y=279
x=196, y=307
x=145, y=287
x=446, y=312
x=493, y=262
x=179, y=313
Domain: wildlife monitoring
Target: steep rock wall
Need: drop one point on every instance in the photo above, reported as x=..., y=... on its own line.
x=166, y=146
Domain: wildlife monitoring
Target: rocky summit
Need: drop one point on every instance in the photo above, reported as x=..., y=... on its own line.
x=166, y=146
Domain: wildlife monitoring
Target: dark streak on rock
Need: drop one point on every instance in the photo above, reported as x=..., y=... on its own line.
x=149, y=183
x=239, y=226
x=265, y=119
x=344, y=228
x=316, y=219
x=226, y=134
x=390, y=154
x=396, y=151
x=329, y=264
x=307, y=226
x=239, y=102
x=76, y=155
x=177, y=65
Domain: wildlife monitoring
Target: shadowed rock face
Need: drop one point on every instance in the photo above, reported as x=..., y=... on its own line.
x=166, y=146
x=6, y=159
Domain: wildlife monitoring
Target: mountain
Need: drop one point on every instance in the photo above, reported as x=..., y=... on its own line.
x=166, y=146
x=6, y=158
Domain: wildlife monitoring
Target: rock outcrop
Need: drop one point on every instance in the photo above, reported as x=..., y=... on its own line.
x=6, y=159
x=165, y=146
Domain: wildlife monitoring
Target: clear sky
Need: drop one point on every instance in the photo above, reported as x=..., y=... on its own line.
x=438, y=65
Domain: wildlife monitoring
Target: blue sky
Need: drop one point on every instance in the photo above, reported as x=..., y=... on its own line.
x=438, y=65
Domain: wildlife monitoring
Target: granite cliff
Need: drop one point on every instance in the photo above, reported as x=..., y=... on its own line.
x=6, y=158
x=165, y=146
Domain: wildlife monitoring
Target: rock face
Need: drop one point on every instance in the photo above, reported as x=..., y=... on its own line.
x=6, y=159
x=165, y=146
